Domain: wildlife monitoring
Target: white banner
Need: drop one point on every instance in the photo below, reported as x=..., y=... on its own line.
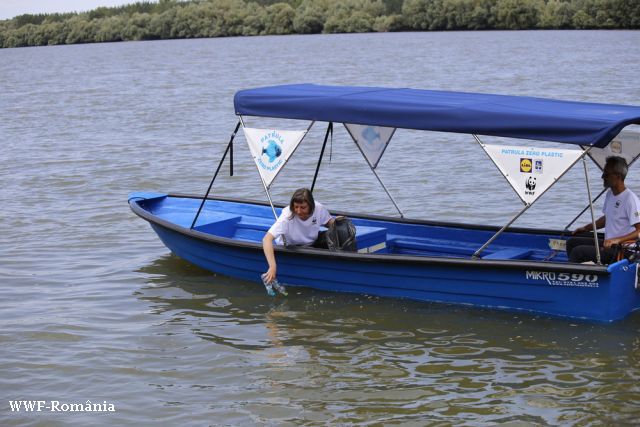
x=271, y=149
x=531, y=171
x=372, y=140
x=626, y=145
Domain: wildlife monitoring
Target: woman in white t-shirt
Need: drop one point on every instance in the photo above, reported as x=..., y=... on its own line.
x=298, y=224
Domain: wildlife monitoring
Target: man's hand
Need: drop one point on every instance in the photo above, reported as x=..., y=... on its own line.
x=608, y=243
x=580, y=230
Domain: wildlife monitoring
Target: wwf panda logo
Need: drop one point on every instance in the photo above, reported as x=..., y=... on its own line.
x=530, y=183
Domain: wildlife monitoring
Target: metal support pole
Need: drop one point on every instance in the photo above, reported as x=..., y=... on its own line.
x=475, y=256
x=229, y=148
x=585, y=209
x=266, y=190
x=593, y=217
x=373, y=169
x=273, y=209
x=389, y=194
x=326, y=137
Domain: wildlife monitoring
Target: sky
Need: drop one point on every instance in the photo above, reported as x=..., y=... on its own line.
x=12, y=8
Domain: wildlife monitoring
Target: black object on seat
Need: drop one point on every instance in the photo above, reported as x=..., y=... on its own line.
x=341, y=236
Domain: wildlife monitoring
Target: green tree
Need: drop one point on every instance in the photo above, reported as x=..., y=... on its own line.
x=278, y=19
x=388, y=23
x=111, y=29
x=161, y=25
x=582, y=20
x=556, y=15
x=138, y=28
x=253, y=21
x=352, y=16
x=424, y=14
x=311, y=16
x=80, y=30
x=516, y=14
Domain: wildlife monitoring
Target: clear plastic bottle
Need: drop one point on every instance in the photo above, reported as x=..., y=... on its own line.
x=279, y=287
x=267, y=285
x=274, y=284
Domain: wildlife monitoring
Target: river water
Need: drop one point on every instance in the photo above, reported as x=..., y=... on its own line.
x=94, y=308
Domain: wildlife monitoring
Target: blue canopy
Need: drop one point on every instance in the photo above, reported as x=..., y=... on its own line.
x=570, y=122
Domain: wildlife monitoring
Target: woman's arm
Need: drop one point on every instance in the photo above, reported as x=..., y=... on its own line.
x=328, y=224
x=267, y=247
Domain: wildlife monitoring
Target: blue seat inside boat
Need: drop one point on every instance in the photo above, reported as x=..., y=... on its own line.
x=255, y=223
x=252, y=228
x=433, y=246
x=371, y=239
x=440, y=247
x=222, y=224
x=510, y=253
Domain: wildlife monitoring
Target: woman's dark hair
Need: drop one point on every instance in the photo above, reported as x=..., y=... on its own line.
x=302, y=195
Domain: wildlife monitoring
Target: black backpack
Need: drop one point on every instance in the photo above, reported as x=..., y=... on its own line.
x=341, y=236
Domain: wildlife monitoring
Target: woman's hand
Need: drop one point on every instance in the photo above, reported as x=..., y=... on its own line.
x=331, y=221
x=270, y=275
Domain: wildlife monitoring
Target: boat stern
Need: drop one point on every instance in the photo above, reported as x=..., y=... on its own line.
x=624, y=293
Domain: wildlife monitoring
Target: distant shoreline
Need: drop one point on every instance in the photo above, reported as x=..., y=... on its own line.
x=230, y=18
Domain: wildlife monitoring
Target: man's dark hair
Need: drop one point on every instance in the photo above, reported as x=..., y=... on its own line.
x=302, y=195
x=618, y=165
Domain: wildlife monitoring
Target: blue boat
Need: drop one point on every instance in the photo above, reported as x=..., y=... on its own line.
x=504, y=268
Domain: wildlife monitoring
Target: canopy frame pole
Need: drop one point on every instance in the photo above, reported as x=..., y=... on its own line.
x=324, y=145
x=476, y=255
x=593, y=217
x=229, y=149
x=585, y=209
x=273, y=209
x=493, y=161
x=373, y=169
x=388, y=194
x=527, y=205
x=266, y=190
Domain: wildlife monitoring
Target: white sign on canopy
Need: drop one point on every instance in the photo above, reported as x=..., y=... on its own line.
x=626, y=145
x=271, y=149
x=372, y=140
x=531, y=171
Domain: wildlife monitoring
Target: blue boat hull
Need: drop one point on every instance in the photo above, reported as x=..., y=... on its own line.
x=226, y=240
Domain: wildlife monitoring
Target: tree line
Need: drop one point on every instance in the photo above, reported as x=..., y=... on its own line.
x=175, y=19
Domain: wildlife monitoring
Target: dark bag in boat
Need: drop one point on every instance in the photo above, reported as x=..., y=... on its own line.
x=341, y=236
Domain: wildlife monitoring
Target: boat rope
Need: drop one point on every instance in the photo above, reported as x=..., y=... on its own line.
x=621, y=249
x=229, y=147
x=324, y=145
x=331, y=144
x=553, y=254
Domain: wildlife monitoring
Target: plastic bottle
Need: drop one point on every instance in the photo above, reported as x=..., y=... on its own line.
x=267, y=285
x=274, y=284
x=279, y=287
